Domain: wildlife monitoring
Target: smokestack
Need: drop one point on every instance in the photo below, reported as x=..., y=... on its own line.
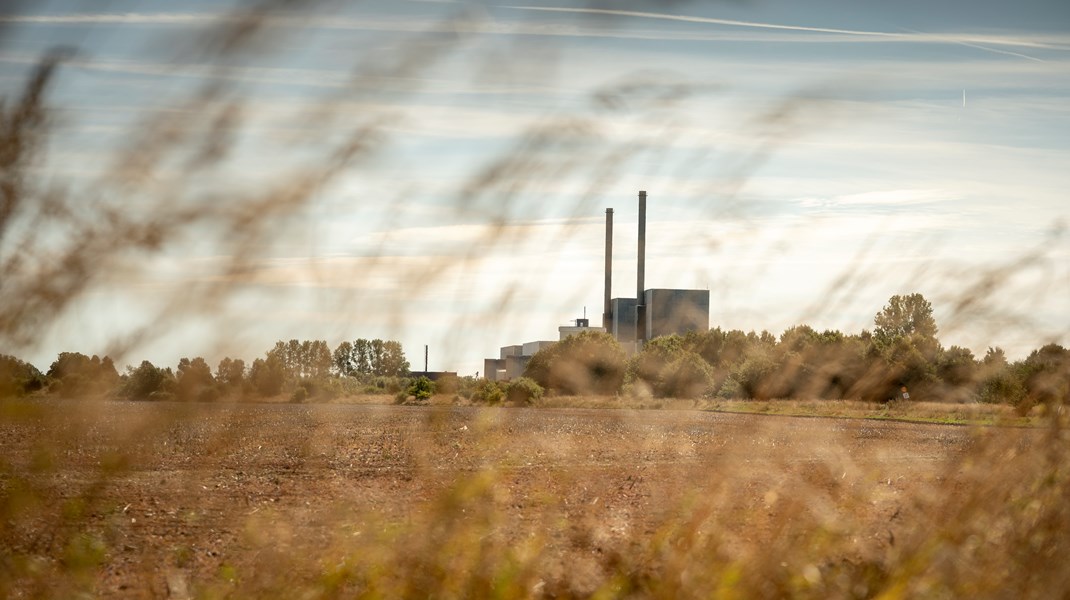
x=607, y=309
x=640, y=306
x=425, y=359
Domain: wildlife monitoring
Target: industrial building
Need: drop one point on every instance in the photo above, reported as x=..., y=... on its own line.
x=631, y=321
x=512, y=360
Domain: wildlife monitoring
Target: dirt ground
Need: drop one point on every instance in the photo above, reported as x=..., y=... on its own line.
x=174, y=498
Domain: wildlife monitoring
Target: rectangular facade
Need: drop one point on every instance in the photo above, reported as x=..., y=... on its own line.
x=515, y=350
x=491, y=366
x=515, y=365
x=623, y=327
x=530, y=348
x=676, y=311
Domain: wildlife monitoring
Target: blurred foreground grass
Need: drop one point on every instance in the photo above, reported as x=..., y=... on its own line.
x=321, y=501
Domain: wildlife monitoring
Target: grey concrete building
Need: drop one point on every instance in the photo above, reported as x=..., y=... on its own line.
x=676, y=311
x=514, y=359
x=622, y=326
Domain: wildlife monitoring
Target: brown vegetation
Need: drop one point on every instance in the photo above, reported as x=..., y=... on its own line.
x=122, y=499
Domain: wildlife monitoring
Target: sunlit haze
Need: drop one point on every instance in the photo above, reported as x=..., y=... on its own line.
x=804, y=162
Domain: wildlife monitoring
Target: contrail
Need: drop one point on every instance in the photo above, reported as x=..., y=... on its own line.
x=710, y=20
x=912, y=36
x=997, y=50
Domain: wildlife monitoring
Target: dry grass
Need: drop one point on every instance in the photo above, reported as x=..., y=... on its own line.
x=272, y=500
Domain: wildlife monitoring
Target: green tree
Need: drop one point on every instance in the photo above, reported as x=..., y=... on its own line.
x=294, y=360
x=231, y=372
x=74, y=374
x=344, y=365
x=957, y=366
x=194, y=381
x=362, y=363
x=904, y=350
x=1045, y=374
x=147, y=382
x=268, y=375
x=393, y=362
x=909, y=316
x=18, y=378
x=318, y=360
x=376, y=352
x=995, y=358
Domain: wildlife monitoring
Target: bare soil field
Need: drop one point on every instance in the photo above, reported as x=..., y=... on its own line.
x=122, y=499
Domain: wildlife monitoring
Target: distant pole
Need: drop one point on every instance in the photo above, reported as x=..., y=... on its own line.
x=607, y=309
x=640, y=283
x=425, y=360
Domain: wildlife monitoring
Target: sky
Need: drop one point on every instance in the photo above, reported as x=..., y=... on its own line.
x=804, y=162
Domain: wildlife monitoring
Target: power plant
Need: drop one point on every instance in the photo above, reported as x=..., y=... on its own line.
x=631, y=321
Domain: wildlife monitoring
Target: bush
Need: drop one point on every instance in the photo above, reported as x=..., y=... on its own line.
x=148, y=382
x=488, y=392
x=590, y=362
x=332, y=388
x=753, y=377
x=299, y=395
x=523, y=391
x=18, y=378
x=421, y=388
x=686, y=377
x=467, y=386
x=731, y=389
x=1002, y=388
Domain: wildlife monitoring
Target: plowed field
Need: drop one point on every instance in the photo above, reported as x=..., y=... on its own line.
x=159, y=500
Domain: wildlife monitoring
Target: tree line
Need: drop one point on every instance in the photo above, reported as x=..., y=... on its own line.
x=300, y=368
x=901, y=353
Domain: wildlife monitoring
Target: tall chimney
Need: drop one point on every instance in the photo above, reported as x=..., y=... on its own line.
x=607, y=309
x=640, y=306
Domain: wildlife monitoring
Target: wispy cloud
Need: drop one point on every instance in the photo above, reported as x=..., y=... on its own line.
x=973, y=41
x=117, y=18
x=488, y=26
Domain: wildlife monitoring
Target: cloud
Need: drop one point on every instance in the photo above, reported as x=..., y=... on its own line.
x=902, y=197
x=971, y=40
x=488, y=26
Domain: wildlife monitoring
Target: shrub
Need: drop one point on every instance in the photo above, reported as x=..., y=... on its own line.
x=731, y=389
x=1001, y=388
x=421, y=388
x=753, y=376
x=523, y=391
x=488, y=392
x=587, y=363
x=467, y=386
x=300, y=394
x=686, y=377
